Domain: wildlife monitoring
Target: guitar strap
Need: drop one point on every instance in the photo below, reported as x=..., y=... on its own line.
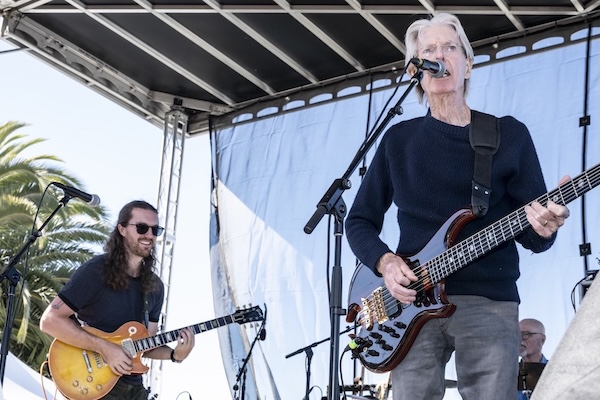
x=484, y=136
x=146, y=310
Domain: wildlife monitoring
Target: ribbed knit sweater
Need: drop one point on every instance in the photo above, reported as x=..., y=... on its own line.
x=425, y=167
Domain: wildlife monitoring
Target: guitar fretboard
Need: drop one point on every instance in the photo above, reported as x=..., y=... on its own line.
x=241, y=317
x=475, y=246
x=161, y=339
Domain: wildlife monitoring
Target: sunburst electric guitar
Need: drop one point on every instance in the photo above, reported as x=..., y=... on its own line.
x=82, y=374
x=388, y=327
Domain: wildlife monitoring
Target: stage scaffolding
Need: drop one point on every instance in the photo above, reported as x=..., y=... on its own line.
x=175, y=130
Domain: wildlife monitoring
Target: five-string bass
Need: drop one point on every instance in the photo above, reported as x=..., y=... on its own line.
x=389, y=327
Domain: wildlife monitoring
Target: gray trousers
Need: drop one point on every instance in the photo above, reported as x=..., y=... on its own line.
x=485, y=336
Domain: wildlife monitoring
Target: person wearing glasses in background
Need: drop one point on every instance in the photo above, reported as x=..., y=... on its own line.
x=533, y=337
x=425, y=167
x=110, y=290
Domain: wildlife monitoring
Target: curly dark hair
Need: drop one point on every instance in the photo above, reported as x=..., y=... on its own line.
x=116, y=257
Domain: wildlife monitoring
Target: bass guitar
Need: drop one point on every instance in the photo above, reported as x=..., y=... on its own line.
x=82, y=374
x=388, y=327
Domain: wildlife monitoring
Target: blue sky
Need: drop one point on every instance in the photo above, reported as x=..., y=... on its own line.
x=117, y=155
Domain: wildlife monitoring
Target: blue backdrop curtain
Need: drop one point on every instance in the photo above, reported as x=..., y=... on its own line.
x=270, y=174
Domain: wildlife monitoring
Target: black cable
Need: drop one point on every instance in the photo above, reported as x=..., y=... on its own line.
x=585, y=123
x=13, y=50
x=342, y=377
x=311, y=389
x=589, y=276
x=328, y=257
x=18, y=297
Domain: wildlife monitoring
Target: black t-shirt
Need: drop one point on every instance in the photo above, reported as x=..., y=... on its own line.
x=99, y=306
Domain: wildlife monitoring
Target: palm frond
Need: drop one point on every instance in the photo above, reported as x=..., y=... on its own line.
x=73, y=236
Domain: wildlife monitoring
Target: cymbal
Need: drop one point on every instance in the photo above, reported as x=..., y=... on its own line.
x=529, y=375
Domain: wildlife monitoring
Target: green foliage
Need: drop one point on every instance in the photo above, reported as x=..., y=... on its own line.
x=72, y=236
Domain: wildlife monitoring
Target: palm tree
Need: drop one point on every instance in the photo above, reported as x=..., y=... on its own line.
x=70, y=238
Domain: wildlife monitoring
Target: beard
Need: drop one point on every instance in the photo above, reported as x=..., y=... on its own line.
x=135, y=248
x=523, y=353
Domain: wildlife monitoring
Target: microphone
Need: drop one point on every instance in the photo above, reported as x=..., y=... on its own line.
x=437, y=68
x=263, y=334
x=357, y=344
x=92, y=199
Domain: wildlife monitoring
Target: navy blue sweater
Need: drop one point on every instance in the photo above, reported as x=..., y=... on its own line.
x=425, y=167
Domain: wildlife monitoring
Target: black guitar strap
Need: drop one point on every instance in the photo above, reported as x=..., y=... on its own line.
x=146, y=310
x=484, y=136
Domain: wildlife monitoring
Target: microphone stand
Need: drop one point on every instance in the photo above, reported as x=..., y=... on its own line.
x=241, y=375
x=12, y=274
x=332, y=203
x=309, y=355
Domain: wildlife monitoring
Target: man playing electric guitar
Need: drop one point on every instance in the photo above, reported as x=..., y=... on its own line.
x=109, y=291
x=425, y=166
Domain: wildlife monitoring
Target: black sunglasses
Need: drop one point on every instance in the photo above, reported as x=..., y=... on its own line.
x=142, y=228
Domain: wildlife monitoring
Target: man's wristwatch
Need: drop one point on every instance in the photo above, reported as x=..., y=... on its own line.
x=173, y=357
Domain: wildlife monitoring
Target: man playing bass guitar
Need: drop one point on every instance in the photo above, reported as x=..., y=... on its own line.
x=425, y=166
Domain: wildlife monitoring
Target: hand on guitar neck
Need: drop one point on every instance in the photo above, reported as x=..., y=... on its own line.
x=185, y=344
x=545, y=221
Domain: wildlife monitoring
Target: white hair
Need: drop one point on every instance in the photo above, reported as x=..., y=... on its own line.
x=413, y=36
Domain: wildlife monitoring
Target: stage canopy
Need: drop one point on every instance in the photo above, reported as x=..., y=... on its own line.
x=222, y=55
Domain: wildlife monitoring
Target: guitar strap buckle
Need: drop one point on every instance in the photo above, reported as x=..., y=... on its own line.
x=480, y=199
